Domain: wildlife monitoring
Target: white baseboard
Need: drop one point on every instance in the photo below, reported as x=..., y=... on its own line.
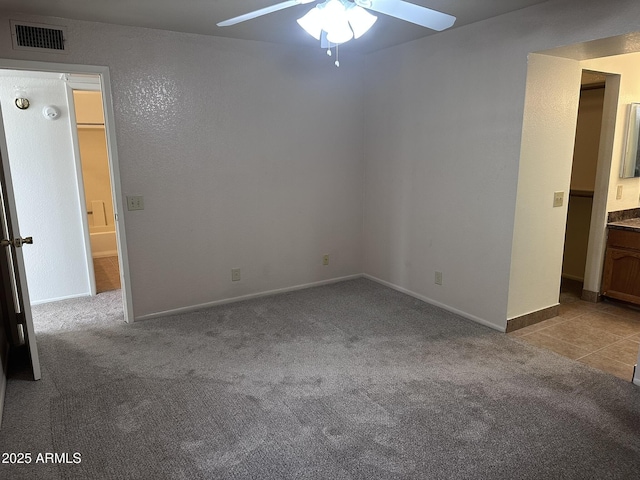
x=430, y=301
x=202, y=306
x=57, y=299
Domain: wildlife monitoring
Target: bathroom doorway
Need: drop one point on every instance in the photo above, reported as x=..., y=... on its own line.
x=54, y=176
x=94, y=158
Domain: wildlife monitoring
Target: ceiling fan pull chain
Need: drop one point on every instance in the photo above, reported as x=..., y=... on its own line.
x=337, y=62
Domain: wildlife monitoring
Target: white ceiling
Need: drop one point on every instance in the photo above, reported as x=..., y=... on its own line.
x=201, y=16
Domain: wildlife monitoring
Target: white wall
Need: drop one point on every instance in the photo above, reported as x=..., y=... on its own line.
x=548, y=134
x=628, y=67
x=443, y=135
x=247, y=154
x=44, y=178
x=250, y=155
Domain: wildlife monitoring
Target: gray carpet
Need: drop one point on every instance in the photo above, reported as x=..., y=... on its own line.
x=346, y=381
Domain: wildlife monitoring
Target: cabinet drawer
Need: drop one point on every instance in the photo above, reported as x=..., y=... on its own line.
x=623, y=239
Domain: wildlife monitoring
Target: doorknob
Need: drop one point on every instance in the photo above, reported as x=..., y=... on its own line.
x=16, y=242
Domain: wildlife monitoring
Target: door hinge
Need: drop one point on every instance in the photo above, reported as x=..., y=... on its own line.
x=16, y=242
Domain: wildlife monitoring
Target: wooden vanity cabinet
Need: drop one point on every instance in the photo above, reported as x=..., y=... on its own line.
x=621, y=275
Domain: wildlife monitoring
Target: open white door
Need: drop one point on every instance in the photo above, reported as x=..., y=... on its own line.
x=16, y=293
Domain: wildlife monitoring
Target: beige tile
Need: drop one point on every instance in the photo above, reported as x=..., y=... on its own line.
x=625, y=352
x=601, y=306
x=581, y=335
x=620, y=370
x=622, y=311
x=101, y=277
x=575, y=309
x=623, y=327
x=550, y=343
x=538, y=326
x=100, y=267
x=113, y=261
x=106, y=283
x=107, y=273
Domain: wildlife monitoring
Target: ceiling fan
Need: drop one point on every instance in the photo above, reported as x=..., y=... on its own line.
x=334, y=22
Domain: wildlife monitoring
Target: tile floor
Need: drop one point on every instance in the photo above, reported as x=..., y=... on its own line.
x=604, y=335
x=107, y=274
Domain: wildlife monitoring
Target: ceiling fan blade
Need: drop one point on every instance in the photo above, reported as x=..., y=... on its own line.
x=261, y=12
x=409, y=12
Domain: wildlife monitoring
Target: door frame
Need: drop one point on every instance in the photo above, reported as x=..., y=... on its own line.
x=114, y=164
x=596, y=248
x=75, y=146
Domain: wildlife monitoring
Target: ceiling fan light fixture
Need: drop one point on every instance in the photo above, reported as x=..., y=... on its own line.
x=360, y=20
x=312, y=22
x=333, y=22
x=339, y=31
x=333, y=12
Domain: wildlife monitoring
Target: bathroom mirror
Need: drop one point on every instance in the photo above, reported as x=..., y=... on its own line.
x=631, y=162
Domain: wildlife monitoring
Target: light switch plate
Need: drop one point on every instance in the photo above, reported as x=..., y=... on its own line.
x=235, y=274
x=619, y=192
x=558, y=199
x=135, y=202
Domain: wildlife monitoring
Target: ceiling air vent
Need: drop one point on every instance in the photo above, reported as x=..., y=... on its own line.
x=38, y=37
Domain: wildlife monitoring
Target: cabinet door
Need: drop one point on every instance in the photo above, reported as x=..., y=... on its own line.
x=621, y=276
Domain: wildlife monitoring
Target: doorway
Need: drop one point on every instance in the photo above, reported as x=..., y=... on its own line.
x=61, y=242
x=582, y=187
x=98, y=192
x=594, y=333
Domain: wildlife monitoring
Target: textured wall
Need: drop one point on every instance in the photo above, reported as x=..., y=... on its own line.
x=251, y=154
x=44, y=178
x=247, y=154
x=443, y=137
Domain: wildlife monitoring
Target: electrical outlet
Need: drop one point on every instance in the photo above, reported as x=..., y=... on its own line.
x=438, y=278
x=619, y=192
x=135, y=202
x=325, y=259
x=235, y=274
x=558, y=199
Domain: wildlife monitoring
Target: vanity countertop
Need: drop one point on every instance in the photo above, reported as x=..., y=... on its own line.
x=631, y=224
